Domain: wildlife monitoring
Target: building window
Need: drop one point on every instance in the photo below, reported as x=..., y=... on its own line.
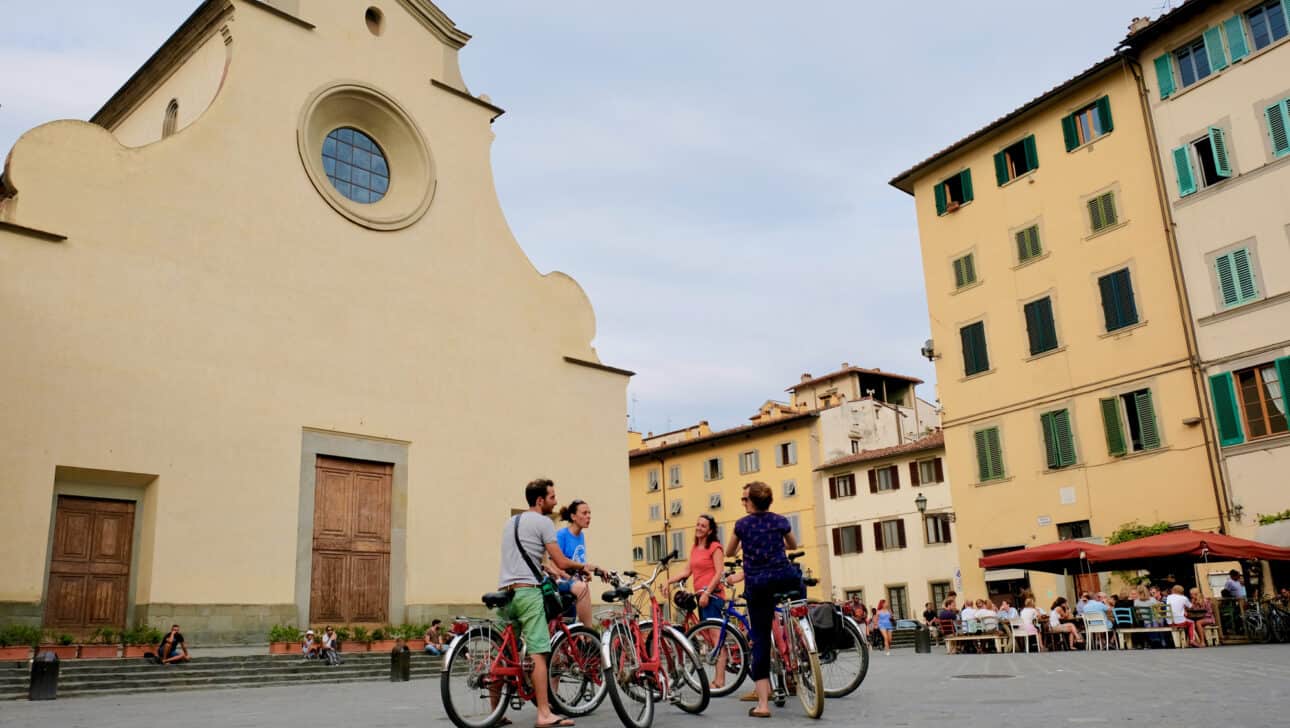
x=674, y=476
x=857, y=594
x=842, y=486
x=749, y=462
x=653, y=481
x=855, y=446
x=1087, y=124
x=675, y=508
x=712, y=469
x=937, y=528
x=1059, y=442
x=1211, y=164
x=714, y=501
x=785, y=454
x=1118, y=307
x=1234, y=273
x=1193, y=62
x=940, y=591
x=882, y=480
x=989, y=454
x=1016, y=160
x=1267, y=24
x=171, y=119
x=964, y=271
x=355, y=165
x=638, y=553
x=654, y=548
x=1028, y=246
x=1101, y=212
x=1263, y=399
x=847, y=540
x=975, y=357
x=898, y=602
x=1130, y=422
x=889, y=535
x=953, y=192
x=1073, y=530
x=1040, y=326
x=1278, y=116
x=790, y=488
x=795, y=523
x=927, y=472
x=679, y=544
x=656, y=512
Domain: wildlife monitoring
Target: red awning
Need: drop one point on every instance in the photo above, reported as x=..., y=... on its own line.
x=1193, y=545
x=1054, y=558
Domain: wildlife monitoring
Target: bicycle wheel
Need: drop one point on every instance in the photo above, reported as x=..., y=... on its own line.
x=1280, y=626
x=809, y=685
x=734, y=649
x=576, y=674
x=472, y=696
x=629, y=689
x=687, y=682
x=1256, y=625
x=844, y=667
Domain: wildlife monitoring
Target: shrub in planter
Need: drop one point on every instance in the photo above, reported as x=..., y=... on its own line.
x=284, y=639
x=63, y=645
x=355, y=639
x=414, y=635
x=103, y=643
x=384, y=638
x=139, y=640
x=17, y=641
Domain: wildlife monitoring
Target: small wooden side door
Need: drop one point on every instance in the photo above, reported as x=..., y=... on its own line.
x=89, y=570
x=351, y=543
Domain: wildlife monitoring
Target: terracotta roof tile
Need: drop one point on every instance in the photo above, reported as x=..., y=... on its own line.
x=934, y=441
x=858, y=370
x=648, y=451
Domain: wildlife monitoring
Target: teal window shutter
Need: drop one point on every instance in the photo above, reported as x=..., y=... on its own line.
x=1243, y=270
x=1001, y=168
x=975, y=357
x=966, y=178
x=939, y=191
x=1115, y=444
x=1104, y=114
x=1032, y=154
x=1235, y=31
x=1226, y=415
x=1218, y=147
x=1182, y=167
x=1165, y=75
x=1068, y=132
x=1040, y=328
x=1214, y=49
x=1226, y=280
x=1283, y=376
x=1147, y=420
x=1279, y=128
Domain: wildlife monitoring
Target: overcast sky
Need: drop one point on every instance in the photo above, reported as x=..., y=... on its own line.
x=713, y=173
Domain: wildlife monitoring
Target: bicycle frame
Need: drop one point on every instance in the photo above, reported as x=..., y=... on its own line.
x=508, y=666
x=649, y=650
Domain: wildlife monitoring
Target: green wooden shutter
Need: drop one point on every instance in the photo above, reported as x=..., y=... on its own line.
x=1283, y=376
x=1124, y=303
x=1165, y=75
x=1069, y=133
x=965, y=177
x=1095, y=215
x=989, y=454
x=1182, y=168
x=1218, y=147
x=1032, y=327
x=1114, y=429
x=982, y=456
x=959, y=280
x=1241, y=266
x=1147, y=420
x=1226, y=415
x=1108, y=208
x=996, y=453
x=1040, y=327
x=1226, y=275
x=1065, y=438
x=939, y=191
x=969, y=269
x=1001, y=168
x=1214, y=49
x=1107, y=286
x=1028, y=243
x=1104, y=114
x=1279, y=128
x=975, y=358
x=1048, y=422
x=1032, y=154
x=1235, y=31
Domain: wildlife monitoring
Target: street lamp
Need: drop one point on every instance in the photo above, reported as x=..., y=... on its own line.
x=921, y=503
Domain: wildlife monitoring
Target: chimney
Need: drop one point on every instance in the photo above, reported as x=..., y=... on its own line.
x=806, y=377
x=1138, y=24
x=846, y=365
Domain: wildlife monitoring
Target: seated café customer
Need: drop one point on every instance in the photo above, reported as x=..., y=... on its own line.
x=1178, y=606
x=1083, y=599
x=1029, y=615
x=1123, y=600
x=984, y=609
x=172, y=648
x=948, y=613
x=1097, y=607
x=968, y=613
x=929, y=614
x=1060, y=621
x=1202, y=610
x=1006, y=610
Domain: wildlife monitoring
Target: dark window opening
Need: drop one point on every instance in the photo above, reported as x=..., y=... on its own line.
x=1015, y=156
x=953, y=190
x=1073, y=530
x=1208, y=170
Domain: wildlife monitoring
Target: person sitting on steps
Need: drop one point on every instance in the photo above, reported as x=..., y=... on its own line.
x=172, y=648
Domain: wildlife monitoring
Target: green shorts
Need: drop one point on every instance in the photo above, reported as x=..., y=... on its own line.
x=527, y=611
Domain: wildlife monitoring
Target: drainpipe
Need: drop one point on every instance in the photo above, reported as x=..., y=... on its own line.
x=1216, y=474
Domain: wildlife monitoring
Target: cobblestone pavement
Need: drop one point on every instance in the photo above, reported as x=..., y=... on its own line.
x=1229, y=686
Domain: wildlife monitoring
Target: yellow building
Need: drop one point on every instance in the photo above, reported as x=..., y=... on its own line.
x=1064, y=358
x=271, y=353
x=679, y=475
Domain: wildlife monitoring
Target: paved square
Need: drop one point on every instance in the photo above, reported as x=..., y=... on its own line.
x=1227, y=686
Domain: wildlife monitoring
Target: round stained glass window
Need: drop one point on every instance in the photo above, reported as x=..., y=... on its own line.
x=355, y=165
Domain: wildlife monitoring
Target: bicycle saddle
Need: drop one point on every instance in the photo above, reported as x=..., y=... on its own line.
x=621, y=592
x=497, y=599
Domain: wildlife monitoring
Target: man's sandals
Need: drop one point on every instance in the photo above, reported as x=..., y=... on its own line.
x=754, y=713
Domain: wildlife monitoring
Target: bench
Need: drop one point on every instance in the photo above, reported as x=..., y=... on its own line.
x=1124, y=635
x=997, y=638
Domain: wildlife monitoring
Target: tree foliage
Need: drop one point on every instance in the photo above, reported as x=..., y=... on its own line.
x=1133, y=531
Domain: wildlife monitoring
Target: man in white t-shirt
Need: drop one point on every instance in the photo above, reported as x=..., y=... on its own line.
x=969, y=610
x=1178, y=605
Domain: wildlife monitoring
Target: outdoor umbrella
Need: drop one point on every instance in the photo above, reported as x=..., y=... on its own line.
x=1185, y=545
x=1055, y=558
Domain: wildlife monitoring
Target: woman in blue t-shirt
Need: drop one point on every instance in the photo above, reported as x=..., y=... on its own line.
x=572, y=541
x=765, y=538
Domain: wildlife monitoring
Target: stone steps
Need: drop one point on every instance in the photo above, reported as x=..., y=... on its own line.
x=119, y=676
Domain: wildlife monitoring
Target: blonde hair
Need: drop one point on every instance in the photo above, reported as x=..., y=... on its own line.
x=1178, y=589
x=1030, y=601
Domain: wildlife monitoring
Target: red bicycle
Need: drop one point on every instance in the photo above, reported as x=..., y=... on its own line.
x=487, y=670
x=648, y=661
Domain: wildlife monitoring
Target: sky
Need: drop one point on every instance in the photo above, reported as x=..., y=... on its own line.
x=714, y=174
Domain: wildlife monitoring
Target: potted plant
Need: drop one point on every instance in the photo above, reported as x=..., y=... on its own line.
x=140, y=640
x=103, y=643
x=17, y=641
x=283, y=639
x=62, y=644
x=360, y=642
x=415, y=636
x=342, y=634
x=383, y=639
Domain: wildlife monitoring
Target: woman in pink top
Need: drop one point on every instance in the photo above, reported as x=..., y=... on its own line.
x=706, y=564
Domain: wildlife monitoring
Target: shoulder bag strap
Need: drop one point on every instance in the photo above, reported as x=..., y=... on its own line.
x=532, y=567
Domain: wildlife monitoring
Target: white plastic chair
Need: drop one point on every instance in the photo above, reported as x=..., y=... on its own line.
x=1095, y=625
x=1019, y=632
